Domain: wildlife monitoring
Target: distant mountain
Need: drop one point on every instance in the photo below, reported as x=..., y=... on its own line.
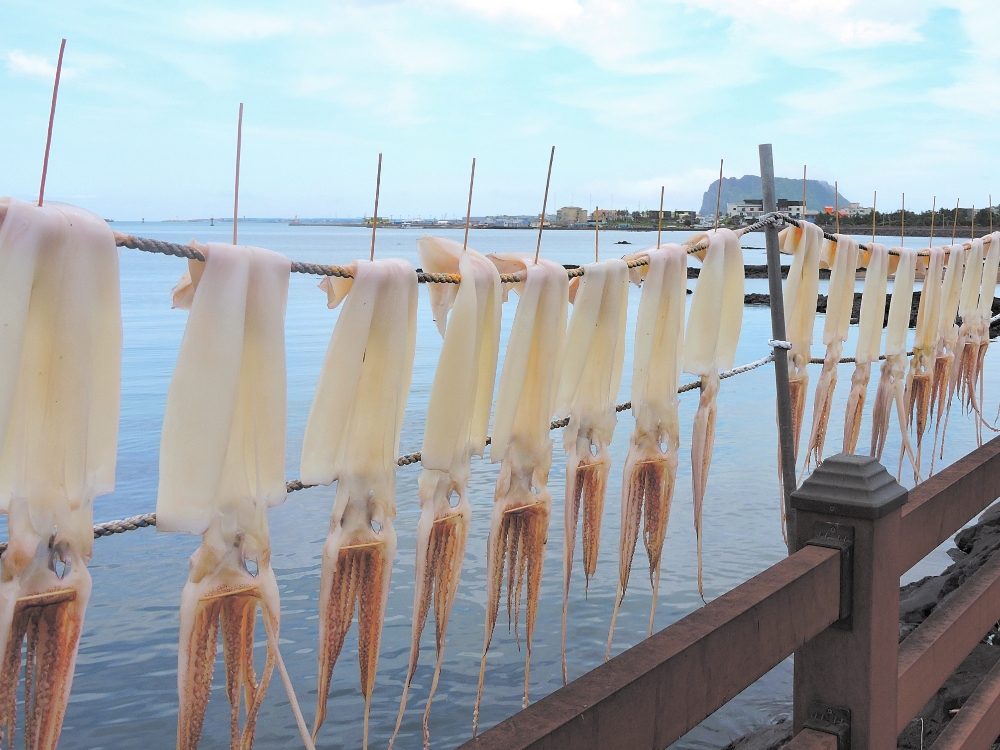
x=819, y=193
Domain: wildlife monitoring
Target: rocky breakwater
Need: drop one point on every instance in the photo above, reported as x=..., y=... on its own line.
x=973, y=547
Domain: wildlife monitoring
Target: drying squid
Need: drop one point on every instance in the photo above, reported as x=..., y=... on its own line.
x=525, y=403
x=947, y=342
x=892, y=380
x=60, y=387
x=843, y=259
x=982, y=333
x=918, y=379
x=458, y=416
x=805, y=244
x=352, y=438
x=651, y=470
x=222, y=465
x=591, y=374
x=713, y=331
x=870, y=322
x=965, y=369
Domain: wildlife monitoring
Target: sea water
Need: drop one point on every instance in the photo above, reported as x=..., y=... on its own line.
x=125, y=688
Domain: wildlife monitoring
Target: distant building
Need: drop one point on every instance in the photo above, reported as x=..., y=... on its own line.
x=753, y=209
x=571, y=215
x=610, y=214
x=852, y=210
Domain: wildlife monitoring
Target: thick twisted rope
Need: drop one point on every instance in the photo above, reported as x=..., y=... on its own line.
x=423, y=277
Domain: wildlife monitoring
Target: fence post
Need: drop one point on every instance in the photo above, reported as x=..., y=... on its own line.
x=852, y=665
x=783, y=398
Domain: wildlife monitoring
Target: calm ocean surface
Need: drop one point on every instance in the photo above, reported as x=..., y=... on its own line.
x=124, y=692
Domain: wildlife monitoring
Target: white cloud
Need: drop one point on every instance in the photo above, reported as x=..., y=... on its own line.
x=551, y=14
x=21, y=63
x=237, y=26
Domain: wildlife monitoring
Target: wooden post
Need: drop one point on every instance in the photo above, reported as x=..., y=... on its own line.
x=783, y=399
x=852, y=665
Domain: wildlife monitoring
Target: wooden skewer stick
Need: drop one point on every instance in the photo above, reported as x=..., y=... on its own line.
x=378, y=185
x=972, y=232
x=597, y=231
x=836, y=203
x=954, y=225
x=803, y=192
x=874, y=204
x=468, y=210
x=52, y=117
x=902, y=223
x=659, y=221
x=236, y=191
x=933, y=214
x=718, y=196
x=991, y=213
x=545, y=202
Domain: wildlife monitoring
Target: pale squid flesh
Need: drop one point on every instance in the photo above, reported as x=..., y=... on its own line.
x=843, y=262
x=352, y=438
x=713, y=331
x=651, y=465
x=60, y=386
x=222, y=465
x=525, y=404
x=892, y=381
x=588, y=385
x=458, y=415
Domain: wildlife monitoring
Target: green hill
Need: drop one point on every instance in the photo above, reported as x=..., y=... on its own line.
x=736, y=189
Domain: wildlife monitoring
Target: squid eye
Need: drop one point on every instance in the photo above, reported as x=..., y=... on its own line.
x=376, y=526
x=252, y=567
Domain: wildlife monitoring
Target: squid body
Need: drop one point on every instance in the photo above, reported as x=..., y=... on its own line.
x=870, y=320
x=651, y=465
x=222, y=465
x=591, y=374
x=946, y=347
x=805, y=244
x=60, y=387
x=892, y=381
x=352, y=438
x=525, y=404
x=458, y=416
x=918, y=379
x=713, y=331
x=842, y=258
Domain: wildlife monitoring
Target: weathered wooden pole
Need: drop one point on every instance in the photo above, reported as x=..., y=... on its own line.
x=784, y=398
x=846, y=677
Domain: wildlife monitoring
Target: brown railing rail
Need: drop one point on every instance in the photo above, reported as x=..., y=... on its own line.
x=834, y=603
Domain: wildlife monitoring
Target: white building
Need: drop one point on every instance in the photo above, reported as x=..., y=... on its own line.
x=753, y=208
x=571, y=215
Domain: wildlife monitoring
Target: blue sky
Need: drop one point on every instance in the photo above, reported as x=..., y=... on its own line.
x=887, y=95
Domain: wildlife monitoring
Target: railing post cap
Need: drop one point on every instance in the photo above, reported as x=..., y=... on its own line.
x=850, y=485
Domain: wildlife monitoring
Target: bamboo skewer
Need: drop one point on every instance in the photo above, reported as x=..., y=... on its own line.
x=659, y=221
x=836, y=203
x=545, y=202
x=874, y=205
x=803, y=192
x=468, y=209
x=902, y=223
x=236, y=189
x=954, y=225
x=378, y=186
x=933, y=214
x=718, y=195
x=52, y=117
x=597, y=230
